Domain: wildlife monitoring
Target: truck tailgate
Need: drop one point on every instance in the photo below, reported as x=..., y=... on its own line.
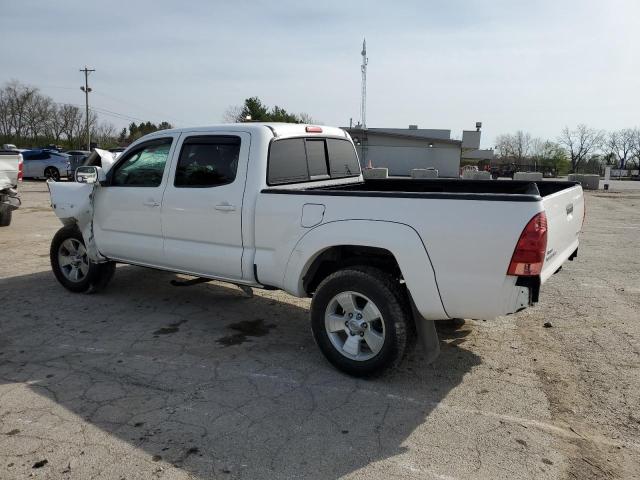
x=565, y=212
x=9, y=164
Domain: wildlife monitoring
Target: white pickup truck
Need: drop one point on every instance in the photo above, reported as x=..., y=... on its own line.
x=285, y=206
x=11, y=169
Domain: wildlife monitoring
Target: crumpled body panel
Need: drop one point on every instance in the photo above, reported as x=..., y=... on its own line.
x=73, y=203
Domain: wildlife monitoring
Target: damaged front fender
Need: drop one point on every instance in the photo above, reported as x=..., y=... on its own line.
x=73, y=204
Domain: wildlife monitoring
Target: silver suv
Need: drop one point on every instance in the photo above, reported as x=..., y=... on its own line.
x=46, y=164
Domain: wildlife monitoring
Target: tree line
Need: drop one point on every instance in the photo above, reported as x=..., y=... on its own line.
x=29, y=118
x=582, y=149
x=253, y=110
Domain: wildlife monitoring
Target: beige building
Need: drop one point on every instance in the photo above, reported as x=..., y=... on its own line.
x=403, y=149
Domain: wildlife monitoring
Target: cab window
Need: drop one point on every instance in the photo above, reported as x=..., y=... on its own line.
x=207, y=161
x=144, y=166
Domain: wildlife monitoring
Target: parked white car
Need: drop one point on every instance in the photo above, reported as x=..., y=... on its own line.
x=46, y=164
x=285, y=206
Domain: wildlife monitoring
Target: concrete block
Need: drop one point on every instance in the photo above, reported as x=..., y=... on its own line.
x=370, y=173
x=529, y=176
x=424, y=173
x=474, y=175
x=590, y=182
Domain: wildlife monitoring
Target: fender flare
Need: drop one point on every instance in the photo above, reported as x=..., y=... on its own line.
x=404, y=243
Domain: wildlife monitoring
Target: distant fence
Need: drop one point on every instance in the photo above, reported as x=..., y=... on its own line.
x=617, y=173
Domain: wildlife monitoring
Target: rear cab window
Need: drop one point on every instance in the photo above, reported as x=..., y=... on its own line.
x=297, y=160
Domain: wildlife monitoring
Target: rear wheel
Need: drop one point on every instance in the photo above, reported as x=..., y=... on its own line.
x=72, y=266
x=52, y=173
x=361, y=321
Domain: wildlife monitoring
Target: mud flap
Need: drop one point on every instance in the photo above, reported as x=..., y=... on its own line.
x=427, y=335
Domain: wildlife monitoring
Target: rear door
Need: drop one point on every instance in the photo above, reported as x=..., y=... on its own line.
x=564, y=211
x=202, y=204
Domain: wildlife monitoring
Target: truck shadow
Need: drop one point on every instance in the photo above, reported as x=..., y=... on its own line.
x=209, y=381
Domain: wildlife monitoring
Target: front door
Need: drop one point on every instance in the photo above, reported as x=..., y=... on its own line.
x=202, y=205
x=127, y=209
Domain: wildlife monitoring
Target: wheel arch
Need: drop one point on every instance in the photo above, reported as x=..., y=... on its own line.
x=394, y=247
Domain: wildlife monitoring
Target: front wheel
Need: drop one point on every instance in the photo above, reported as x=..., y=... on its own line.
x=361, y=321
x=72, y=266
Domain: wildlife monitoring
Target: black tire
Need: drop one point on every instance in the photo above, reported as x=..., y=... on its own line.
x=98, y=275
x=52, y=173
x=391, y=300
x=5, y=216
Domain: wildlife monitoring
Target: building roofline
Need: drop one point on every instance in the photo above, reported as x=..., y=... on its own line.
x=360, y=131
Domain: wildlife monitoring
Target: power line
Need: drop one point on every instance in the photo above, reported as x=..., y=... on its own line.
x=139, y=107
x=116, y=114
x=157, y=115
x=104, y=111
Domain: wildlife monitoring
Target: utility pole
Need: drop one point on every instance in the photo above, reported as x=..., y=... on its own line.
x=86, y=91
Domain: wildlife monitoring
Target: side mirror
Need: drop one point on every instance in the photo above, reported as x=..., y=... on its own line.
x=90, y=175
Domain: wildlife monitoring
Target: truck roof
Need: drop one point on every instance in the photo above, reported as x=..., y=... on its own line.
x=278, y=129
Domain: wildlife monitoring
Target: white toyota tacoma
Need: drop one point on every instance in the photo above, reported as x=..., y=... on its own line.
x=285, y=206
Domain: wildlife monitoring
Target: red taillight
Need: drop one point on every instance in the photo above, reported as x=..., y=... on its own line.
x=528, y=256
x=311, y=129
x=20, y=169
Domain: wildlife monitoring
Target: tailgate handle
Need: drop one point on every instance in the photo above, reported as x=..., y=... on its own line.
x=569, y=209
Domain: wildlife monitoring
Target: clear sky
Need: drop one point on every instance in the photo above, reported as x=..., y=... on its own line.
x=531, y=65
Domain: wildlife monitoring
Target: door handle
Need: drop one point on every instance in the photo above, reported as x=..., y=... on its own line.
x=151, y=203
x=225, y=207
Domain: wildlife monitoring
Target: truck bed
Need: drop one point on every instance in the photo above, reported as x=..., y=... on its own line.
x=512, y=190
x=469, y=228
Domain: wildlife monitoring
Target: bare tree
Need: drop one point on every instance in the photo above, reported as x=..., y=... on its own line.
x=80, y=130
x=104, y=133
x=55, y=123
x=305, y=118
x=5, y=121
x=515, y=146
x=635, y=148
x=580, y=143
x=72, y=122
x=17, y=100
x=621, y=144
x=233, y=114
x=37, y=112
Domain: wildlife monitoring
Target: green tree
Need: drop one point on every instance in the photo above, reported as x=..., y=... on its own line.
x=554, y=157
x=255, y=111
x=122, y=138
